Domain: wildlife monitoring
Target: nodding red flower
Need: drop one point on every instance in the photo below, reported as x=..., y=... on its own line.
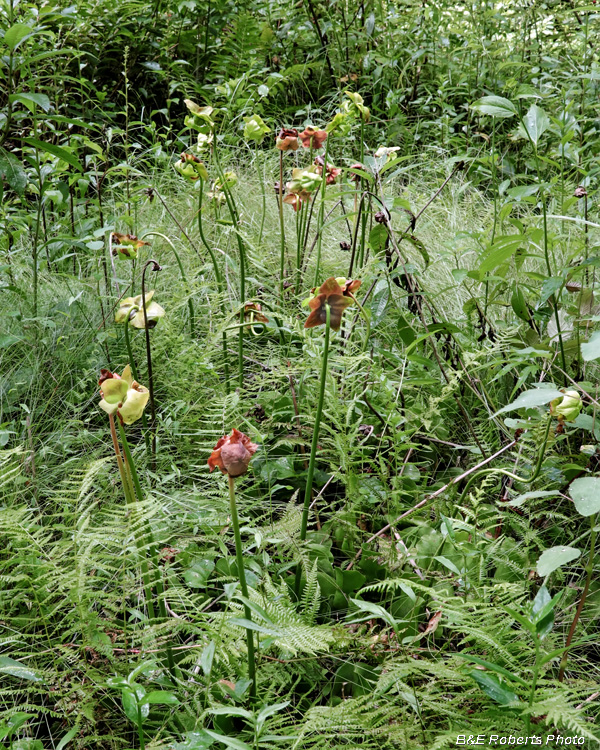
x=127, y=245
x=295, y=200
x=287, y=140
x=337, y=297
x=356, y=177
x=313, y=138
x=332, y=172
x=580, y=192
x=232, y=454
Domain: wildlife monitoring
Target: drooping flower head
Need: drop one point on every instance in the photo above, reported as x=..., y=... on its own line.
x=332, y=172
x=566, y=408
x=354, y=176
x=200, y=118
x=191, y=167
x=287, y=139
x=355, y=105
x=313, y=138
x=307, y=180
x=255, y=128
x=341, y=124
x=336, y=296
x=123, y=395
x=297, y=200
x=127, y=245
x=132, y=309
x=232, y=454
x=253, y=313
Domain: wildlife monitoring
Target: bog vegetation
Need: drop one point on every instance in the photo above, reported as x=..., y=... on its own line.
x=299, y=384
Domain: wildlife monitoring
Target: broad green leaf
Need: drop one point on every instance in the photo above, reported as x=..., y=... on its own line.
x=492, y=687
x=31, y=101
x=59, y=151
x=206, y=660
x=198, y=573
x=16, y=34
x=378, y=238
x=68, y=737
x=16, y=669
x=530, y=399
x=586, y=495
x=550, y=286
x=495, y=106
x=493, y=667
x=162, y=697
x=12, y=171
x=554, y=557
x=501, y=251
x=535, y=123
x=194, y=741
x=591, y=349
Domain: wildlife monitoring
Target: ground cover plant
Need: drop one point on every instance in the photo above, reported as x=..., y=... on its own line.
x=298, y=374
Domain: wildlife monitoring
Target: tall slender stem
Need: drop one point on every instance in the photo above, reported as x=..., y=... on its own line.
x=281, y=229
x=321, y=212
x=239, y=556
x=155, y=267
x=315, y=443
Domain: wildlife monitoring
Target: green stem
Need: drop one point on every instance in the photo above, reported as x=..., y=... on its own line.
x=315, y=442
x=321, y=212
x=281, y=229
x=264, y=197
x=140, y=728
x=219, y=280
x=239, y=556
x=134, y=372
x=139, y=543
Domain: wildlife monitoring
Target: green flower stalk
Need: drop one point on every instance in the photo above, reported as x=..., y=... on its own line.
x=327, y=308
x=232, y=455
x=147, y=326
x=255, y=130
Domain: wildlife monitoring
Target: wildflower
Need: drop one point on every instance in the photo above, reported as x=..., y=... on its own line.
x=566, y=408
x=580, y=192
x=341, y=124
x=295, y=200
x=229, y=180
x=287, y=140
x=255, y=129
x=313, y=138
x=332, y=172
x=307, y=180
x=132, y=309
x=127, y=245
x=123, y=395
x=191, y=167
x=386, y=151
x=337, y=297
x=199, y=118
x=356, y=177
x=232, y=454
x=204, y=141
x=356, y=106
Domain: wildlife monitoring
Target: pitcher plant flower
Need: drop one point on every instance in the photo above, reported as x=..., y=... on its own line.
x=123, y=395
x=126, y=245
x=200, y=118
x=332, y=295
x=313, y=138
x=355, y=105
x=287, y=139
x=191, y=167
x=132, y=309
x=255, y=129
x=332, y=173
x=297, y=200
x=232, y=454
x=567, y=408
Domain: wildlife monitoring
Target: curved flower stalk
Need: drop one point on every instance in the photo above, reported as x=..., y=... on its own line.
x=183, y=277
x=327, y=308
x=232, y=455
x=147, y=325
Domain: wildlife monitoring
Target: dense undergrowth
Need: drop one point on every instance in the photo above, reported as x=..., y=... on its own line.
x=418, y=522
